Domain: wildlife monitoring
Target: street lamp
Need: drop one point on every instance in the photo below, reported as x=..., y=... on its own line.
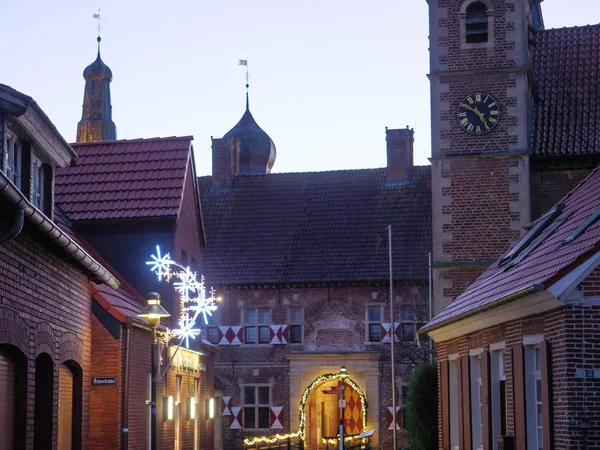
x=343, y=373
x=153, y=312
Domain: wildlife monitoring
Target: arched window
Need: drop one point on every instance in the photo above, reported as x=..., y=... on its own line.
x=13, y=395
x=476, y=23
x=44, y=401
x=69, y=406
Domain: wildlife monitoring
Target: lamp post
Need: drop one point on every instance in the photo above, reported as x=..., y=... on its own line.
x=343, y=373
x=153, y=312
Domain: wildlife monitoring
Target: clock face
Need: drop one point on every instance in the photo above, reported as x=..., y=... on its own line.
x=478, y=113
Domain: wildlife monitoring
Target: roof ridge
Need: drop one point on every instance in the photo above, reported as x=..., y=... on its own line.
x=122, y=141
x=574, y=27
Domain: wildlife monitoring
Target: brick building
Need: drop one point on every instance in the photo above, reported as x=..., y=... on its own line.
x=527, y=99
x=517, y=351
x=121, y=200
x=46, y=286
x=301, y=262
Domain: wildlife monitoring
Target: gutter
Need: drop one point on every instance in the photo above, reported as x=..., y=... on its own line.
x=501, y=301
x=15, y=227
x=125, y=385
x=10, y=193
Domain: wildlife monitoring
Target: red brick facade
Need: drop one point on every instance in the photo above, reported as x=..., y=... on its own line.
x=335, y=323
x=45, y=307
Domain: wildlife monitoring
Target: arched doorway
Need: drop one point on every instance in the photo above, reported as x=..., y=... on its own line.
x=13, y=392
x=44, y=402
x=320, y=415
x=69, y=406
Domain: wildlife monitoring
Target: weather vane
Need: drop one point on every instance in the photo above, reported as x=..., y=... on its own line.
x=193, y=297
x=97, y=16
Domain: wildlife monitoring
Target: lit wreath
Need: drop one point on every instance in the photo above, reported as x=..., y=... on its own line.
x=325, y=377
x=311, y=386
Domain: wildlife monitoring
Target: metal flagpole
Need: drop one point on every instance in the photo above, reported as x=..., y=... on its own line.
x=392, y=334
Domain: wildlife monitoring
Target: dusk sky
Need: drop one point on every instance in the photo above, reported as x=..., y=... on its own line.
x=326, y=77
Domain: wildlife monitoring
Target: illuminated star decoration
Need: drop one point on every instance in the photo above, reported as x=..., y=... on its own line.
x=192, y=296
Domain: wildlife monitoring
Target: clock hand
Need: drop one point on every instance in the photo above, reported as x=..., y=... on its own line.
x=481, y=117
x=476, y=112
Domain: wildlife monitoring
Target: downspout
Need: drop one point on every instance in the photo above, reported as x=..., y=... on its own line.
x=16, y=226
x=127, y=354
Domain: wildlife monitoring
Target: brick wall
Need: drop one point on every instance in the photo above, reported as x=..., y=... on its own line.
x=334, y=322
x=187, y=235
x=45, y=306
x=480, y=184
x=139, y=388
x=550, y=186
x=574, y=401
x=105, y=401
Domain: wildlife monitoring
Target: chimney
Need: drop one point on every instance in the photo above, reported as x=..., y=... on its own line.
x=225, y=162
x=399, y=155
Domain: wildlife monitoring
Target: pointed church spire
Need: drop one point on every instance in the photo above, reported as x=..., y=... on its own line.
x=96, y=119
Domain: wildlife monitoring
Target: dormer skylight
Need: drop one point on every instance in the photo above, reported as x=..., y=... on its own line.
x=543, y=223
x=583, y=227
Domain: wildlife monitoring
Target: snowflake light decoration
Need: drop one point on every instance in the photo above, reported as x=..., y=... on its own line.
x=193, y=297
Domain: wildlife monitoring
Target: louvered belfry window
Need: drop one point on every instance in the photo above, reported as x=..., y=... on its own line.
x=476, y=23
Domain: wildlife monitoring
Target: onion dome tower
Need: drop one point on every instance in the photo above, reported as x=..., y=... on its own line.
x=256, y=149
x=96, y=119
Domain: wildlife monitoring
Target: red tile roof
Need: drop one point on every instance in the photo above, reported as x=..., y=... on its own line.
x=316, y=227
x=543, y=266
x=125, y=179
x=567, y=74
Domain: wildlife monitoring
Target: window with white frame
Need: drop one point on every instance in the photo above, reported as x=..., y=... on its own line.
x=296, y=318
x=211, y=329
x=533, y=399
x=257, y=329
x=257, y=406
x=453, y=389
x=37, y=193
x=476, y=399
x=374, y=319
x=13, y=167
x=498, y=392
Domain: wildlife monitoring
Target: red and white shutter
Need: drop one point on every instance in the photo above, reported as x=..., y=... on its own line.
x=235, y=419
x=237, y=334
x=386, y=332
x=231, y=335
x=389, y=421
x=278, y=334
x=226, y=405
x=277, y=417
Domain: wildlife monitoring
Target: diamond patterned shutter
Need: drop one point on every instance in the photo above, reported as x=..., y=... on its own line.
x=389, y=421
x=519, y=397
x=237, y=334
x=277, y=417
x=385, y=331
x=546, y=368
x=235, y=419
x=226, y=405
x=279, y=334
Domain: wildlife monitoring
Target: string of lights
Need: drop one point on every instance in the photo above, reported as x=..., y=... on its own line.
x=301, y=431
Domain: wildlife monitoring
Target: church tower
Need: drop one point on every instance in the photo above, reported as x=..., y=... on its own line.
x=480, y=67
x=96, y=119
